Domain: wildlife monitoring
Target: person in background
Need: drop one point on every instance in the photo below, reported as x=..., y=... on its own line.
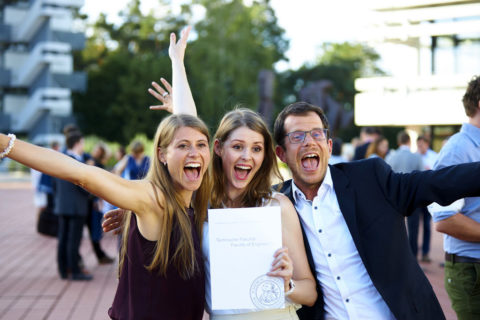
x=461, y=225
x=403, y=160
x=429, y=156
x=336, y=151
x=135, y=165
x=99, y=157
x=367, y=135
x=71, y=205
x=40, y=197
x=377, y=148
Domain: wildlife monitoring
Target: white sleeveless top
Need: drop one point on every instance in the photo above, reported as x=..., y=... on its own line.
x=206, y=256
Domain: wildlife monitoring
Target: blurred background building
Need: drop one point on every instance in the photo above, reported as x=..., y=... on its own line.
x=36, y=66
x=430, y=49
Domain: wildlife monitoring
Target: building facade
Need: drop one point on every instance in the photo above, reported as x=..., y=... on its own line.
x=36, y=67
x=430, y=50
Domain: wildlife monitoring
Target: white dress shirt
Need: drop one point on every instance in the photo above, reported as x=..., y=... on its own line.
x=348, y=291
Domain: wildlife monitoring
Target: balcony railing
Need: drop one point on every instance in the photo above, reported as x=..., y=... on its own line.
x=55, y=100
x=56, y=54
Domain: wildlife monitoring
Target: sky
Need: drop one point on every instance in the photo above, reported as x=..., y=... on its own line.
x=308, y=23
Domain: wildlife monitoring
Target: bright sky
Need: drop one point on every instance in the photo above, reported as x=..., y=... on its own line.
x=308, y=23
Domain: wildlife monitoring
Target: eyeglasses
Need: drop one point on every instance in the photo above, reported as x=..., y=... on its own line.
x=299, y=136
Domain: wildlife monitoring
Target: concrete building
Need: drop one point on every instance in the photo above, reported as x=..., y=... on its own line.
x=36, y=66
x=430, y=49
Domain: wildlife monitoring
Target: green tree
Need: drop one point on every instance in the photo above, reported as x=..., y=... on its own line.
x=121, y=61
x=340, y=63
x=234, y=43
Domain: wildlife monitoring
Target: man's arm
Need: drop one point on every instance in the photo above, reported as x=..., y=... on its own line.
x=460, y=227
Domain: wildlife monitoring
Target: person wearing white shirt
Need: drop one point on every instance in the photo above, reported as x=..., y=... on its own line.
x=353, y=222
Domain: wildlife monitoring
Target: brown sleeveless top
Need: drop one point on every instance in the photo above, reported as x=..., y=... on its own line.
x=143, y=295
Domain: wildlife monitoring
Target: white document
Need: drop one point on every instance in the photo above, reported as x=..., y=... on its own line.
x=242, y=244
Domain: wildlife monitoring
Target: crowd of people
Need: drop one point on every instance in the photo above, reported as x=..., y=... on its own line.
x=346, y=252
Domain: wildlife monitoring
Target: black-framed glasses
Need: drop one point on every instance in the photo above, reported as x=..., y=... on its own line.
x=299, y=136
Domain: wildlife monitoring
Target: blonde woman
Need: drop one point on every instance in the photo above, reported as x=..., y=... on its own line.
x=161, y=266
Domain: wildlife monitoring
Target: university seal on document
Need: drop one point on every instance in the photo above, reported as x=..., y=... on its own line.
x=265, y=293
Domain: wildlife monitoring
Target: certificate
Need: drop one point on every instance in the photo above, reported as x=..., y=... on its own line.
x=242, y=243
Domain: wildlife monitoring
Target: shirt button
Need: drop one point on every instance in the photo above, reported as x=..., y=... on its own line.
x=347, y=300
x=315, y=207
x=329, y=254
x=320, y=230
x=338, y=278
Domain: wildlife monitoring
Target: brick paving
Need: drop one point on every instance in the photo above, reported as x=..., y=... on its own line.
x=31, y=289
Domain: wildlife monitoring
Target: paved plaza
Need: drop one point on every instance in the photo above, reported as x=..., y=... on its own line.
x=30, y=287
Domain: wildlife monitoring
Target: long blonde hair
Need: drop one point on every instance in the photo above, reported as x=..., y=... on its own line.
x=174, y=220
x=260, y=186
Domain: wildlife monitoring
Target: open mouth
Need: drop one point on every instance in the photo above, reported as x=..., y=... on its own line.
x=242, y=171
x=310, y=161
x=192, y=170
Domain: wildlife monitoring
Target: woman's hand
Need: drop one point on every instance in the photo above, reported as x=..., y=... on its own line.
x=176, y=51
x=162, y=95
x=282, y=266
x=113, y=221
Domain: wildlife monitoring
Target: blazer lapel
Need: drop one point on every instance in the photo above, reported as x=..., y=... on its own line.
x=346, y=201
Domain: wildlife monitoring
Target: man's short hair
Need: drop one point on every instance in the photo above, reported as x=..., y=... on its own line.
x=298, y=109
x=371, y=130
x=73, y=138
x=424, y=139
x=403, y=138
x=471, y=98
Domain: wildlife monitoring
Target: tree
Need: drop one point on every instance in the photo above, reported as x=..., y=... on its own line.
x=235, y=42
x=121, y=61
x=341, y=64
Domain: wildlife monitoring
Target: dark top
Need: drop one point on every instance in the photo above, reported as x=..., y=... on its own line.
x=143, y=295
x=134, y=171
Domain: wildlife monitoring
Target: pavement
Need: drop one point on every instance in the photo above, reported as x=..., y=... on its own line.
x=30, y=287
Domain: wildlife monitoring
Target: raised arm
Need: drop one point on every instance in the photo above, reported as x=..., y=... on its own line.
x=132, y=195
x=182, y=99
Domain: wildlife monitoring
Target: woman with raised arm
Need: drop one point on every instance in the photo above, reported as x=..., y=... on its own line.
x=161, y=266
x=243, y=166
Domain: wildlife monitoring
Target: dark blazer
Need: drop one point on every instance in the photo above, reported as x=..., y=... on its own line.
x=374, y=200
x=70, y=199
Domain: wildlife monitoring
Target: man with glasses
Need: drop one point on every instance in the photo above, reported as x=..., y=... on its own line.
x=352, y=217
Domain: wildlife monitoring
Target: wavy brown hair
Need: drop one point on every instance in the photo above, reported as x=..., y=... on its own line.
x=175, y=225
x=260, y=186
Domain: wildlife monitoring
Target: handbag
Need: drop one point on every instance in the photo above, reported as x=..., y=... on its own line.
x=47, y=223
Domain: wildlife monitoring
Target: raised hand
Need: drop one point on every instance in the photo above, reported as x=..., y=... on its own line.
x=176, y=51
x=162, y=95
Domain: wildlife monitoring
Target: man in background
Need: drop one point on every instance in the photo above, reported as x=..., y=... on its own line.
x=367, y=135
x=462, y=226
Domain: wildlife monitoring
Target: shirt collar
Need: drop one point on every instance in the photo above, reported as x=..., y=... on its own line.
x=74, y=155
x=472, y=132
x=299, y=196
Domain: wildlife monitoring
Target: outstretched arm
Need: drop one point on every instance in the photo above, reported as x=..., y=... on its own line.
x=132, y=195
x=181, y=100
